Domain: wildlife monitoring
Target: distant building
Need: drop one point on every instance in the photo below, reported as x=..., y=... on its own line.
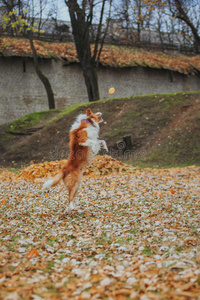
x=53, y=29
x=118, y=33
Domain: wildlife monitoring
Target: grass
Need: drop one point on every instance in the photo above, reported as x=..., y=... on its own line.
x=104, y=239
x=22, y=124
x=147, y=251
x=12, y=170
x=67, y=111
x=29, y=120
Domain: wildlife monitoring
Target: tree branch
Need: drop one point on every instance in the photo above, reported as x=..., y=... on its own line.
x=182, y=15
x=98, y=31
x=104, y=36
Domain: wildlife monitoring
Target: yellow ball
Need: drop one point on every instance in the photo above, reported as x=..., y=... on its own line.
x=111, y=90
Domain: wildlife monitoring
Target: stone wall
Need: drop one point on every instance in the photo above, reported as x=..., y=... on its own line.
x=21, y=92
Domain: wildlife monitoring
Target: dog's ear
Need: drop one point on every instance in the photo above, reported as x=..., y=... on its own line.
x=88, y=112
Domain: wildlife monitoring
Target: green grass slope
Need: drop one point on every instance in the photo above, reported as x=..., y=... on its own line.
x=163, y=130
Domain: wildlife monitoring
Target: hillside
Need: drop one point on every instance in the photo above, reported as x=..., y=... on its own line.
x=153, y=130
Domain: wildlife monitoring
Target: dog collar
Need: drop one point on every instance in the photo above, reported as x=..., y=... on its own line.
x=87, y=121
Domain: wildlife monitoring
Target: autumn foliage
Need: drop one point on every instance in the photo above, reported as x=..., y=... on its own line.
x=114, y=56
x=134, y=234
x=101, y=165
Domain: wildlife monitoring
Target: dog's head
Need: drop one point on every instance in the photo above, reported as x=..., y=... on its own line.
x=94, y=118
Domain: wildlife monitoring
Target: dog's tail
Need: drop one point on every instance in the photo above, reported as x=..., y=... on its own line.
x=54, y=181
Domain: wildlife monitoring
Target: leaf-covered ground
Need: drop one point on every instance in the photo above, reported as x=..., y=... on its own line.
x=135, y=234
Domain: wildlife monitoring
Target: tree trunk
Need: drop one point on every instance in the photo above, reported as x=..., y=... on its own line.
x=81, y=25
x=42, y=77
x=47, y=86
x=91, y=81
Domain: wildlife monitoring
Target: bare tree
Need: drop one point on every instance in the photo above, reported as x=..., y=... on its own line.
x=186, y=11
x=159, y=28
x=44, y=79
x=123, y=10
x=137, y=21
x=139, y=18
x=27, y=31
x=82, y=18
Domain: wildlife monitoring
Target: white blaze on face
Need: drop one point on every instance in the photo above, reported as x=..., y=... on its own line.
x=99, y=114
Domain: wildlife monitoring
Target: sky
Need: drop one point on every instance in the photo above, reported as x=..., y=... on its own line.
x=62, y=10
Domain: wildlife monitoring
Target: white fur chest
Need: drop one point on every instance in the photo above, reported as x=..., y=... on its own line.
x=92, y=132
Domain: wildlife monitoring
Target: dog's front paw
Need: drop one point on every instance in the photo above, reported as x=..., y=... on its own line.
x=104, y=145
x=106, y=148
x=94, y=148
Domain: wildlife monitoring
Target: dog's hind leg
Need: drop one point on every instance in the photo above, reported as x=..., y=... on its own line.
x=72, y=182
x=72, y=194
